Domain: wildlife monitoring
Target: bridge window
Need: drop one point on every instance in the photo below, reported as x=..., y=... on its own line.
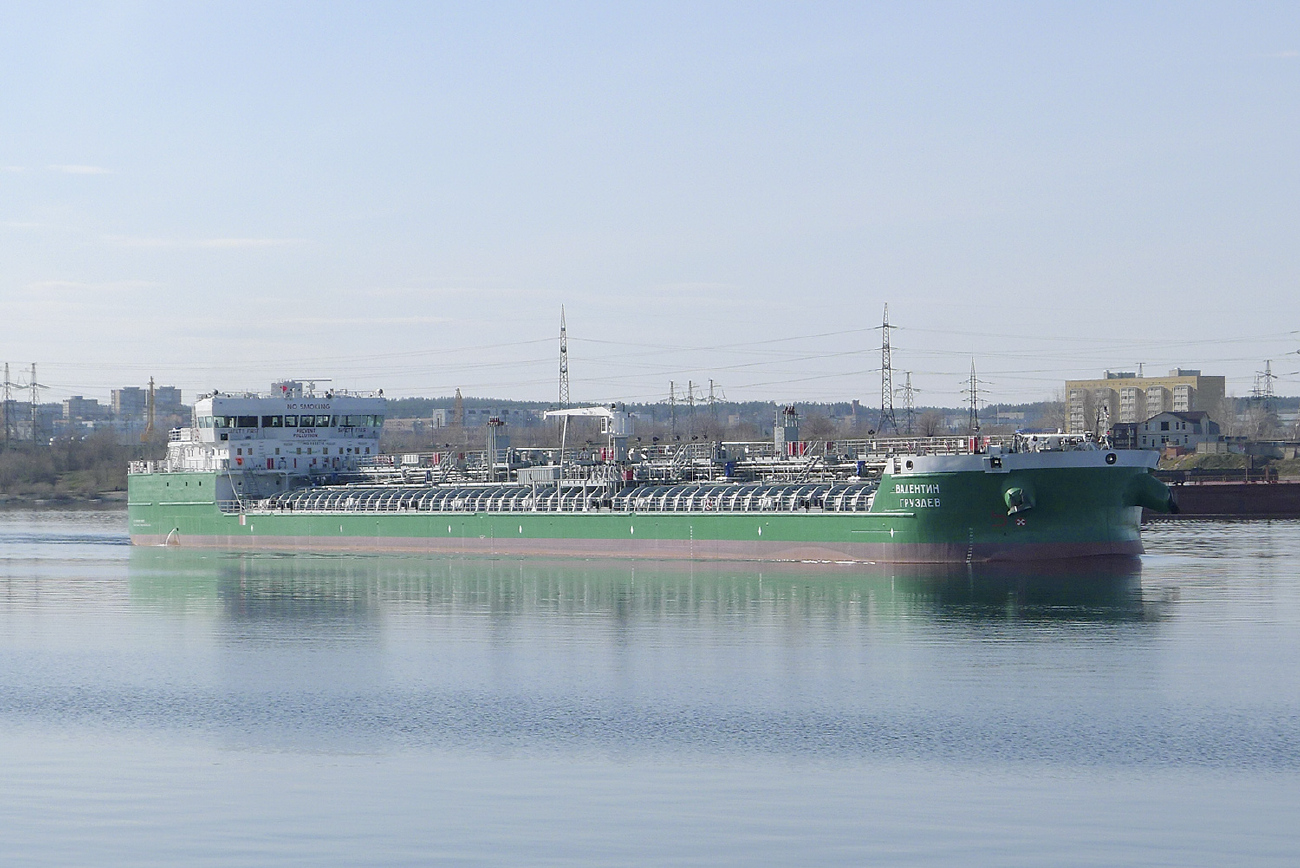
x=291, y=421
x=272, y=421
x=245, y=421
x=322, y=421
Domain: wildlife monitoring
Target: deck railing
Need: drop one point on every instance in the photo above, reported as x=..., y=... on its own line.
x=697, y=498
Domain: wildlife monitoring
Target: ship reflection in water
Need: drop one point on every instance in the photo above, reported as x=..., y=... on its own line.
x=796, y=659
x=192, y=706
x=354, y=590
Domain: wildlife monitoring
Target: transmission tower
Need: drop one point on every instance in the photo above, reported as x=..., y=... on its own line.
x=8, y=406
x=909, y=403
x=1264, y=386
x=564, y=362
x=887, y=419
x=713, y=404
x=672, y=406
x=690, y=404
x=36, y=403
x=149, y=414
x=972, y=390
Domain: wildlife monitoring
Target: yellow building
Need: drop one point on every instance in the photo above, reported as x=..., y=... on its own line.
x=1123, y=396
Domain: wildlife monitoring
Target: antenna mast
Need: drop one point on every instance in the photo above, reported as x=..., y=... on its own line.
x=887, y=419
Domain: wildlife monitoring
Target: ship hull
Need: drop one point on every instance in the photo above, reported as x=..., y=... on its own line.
x=1083, y=508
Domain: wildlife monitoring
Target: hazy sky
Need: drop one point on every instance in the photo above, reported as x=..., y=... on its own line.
x=403, y=195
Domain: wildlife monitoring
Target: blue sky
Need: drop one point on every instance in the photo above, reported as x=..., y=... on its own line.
x=403, y=195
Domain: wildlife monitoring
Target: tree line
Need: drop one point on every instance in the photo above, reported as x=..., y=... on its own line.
x=70, y=470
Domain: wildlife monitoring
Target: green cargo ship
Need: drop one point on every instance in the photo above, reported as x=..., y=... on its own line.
x=299, y=471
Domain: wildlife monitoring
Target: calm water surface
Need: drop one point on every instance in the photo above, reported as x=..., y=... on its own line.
x=160, y=706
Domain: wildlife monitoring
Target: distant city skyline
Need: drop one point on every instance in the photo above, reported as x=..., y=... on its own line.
x=403, y=196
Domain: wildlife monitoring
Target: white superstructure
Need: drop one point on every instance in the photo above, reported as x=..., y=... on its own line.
x=291, y=431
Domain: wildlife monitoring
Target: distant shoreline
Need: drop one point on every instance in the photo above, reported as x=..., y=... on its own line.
x=102, y=500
